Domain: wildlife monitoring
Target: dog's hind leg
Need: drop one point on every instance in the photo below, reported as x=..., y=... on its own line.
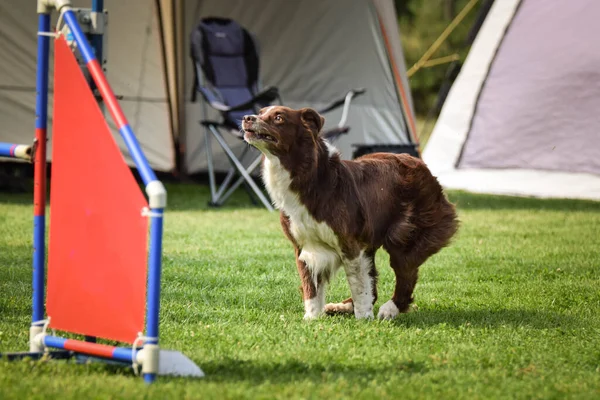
x=347, y=306
x=409, y=246
x=406, y=260
x=405, y=266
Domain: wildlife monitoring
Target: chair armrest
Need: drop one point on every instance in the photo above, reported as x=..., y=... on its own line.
x=333, y=133
x=212, y=98
x=346, y=98
x=268, y=95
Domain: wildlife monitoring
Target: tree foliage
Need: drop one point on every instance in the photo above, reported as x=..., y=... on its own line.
x=421, y=23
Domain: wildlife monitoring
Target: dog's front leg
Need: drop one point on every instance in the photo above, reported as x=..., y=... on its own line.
x=313, y=293
x=361, y=285
x=313, y=306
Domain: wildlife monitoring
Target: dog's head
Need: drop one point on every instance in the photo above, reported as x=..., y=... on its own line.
x=280, y=131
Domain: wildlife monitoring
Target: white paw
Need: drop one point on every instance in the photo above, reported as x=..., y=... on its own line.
x=313, y=308
x=364, y=314
x=310, y=317
x=339, y=308
x=388, y=311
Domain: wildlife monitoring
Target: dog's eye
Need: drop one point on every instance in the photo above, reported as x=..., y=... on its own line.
x=278, y=118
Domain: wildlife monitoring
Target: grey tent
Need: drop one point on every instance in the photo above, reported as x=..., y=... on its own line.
x=313, y=50
x=522, y=116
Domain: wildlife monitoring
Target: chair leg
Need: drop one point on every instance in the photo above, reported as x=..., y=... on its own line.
x=241, y=169
x=211, y=171
x=247, y=188
x=216, y=194
x=221, y=198
x=224, y=184
x=240, y=180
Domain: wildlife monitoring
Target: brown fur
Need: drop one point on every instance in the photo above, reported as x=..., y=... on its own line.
x=378, y=200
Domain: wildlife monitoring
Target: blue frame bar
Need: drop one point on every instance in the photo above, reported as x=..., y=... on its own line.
x=41, y=121
x=121, y=354
x=15, y=150
x=154, y=275
x=7, y=149
x=146, y=172
x=84, y=47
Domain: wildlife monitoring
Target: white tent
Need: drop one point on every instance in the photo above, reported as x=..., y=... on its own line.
x=522, y=116
x=312, y=50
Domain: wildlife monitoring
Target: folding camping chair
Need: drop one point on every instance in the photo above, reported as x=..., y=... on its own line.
x=226, y=67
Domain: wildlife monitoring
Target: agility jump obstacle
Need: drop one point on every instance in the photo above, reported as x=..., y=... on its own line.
x=98, y=260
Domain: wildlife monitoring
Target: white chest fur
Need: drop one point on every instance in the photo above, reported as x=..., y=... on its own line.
x=320, y=246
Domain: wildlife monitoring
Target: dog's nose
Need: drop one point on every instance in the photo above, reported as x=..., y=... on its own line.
x=249, y=118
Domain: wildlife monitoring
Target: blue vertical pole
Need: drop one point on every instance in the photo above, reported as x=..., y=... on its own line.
x=154, y=272
x=41, y=117
x=96, y=40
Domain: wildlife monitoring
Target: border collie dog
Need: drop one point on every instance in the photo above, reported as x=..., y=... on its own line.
x=338, y=213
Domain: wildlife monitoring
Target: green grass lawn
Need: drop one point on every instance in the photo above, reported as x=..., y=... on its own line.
x=510, y=310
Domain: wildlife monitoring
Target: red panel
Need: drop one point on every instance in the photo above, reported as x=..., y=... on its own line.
x=98, y=238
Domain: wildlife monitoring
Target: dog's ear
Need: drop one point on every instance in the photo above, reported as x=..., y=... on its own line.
x=312, y=120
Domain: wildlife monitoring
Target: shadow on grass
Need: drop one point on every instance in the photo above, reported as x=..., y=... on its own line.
x=472, y=201
x=487, y=318
x=229, y=369
x=25, y=198
x=255, y=372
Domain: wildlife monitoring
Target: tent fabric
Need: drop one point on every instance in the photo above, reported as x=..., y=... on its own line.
x=340, y=48
x=521, y=117
x=312, y=50
x=392, y=38
x=134, y=70
x=555, y=134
